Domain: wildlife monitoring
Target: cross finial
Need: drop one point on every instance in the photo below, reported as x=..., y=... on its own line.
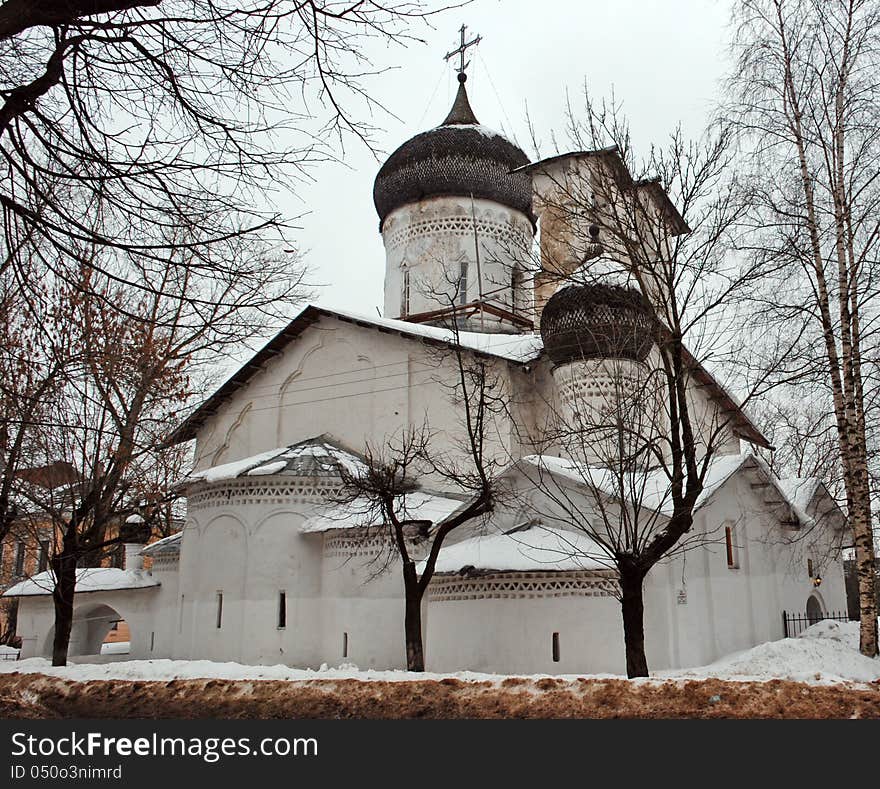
x=463, y=47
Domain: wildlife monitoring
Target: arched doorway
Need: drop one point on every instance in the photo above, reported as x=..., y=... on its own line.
x=92, y=629
x=814, y=610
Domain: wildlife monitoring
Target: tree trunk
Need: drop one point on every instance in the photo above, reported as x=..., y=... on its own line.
x=412, y=625
x=633, y=607
x=415, y=654
x=64, y=568
x=867, y=579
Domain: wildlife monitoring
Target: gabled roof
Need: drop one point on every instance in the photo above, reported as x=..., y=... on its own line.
x=517, y=348
x=800, y=490
x=514, y=348
x=805, y=494
x=611, y=155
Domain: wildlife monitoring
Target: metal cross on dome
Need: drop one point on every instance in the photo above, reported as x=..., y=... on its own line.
x=463, y=47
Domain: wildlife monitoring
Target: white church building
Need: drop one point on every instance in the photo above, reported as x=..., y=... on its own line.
x=269, y=569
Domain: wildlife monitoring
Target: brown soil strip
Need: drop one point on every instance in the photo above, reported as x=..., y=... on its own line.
x=40, y=696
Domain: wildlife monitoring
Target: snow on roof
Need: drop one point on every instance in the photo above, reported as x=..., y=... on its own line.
x=168, y=544
x=88, y=579
x=650, y=489
x=513, y=347
x=486, y=131
x=534, y=548
x=362, y=513
x=313, y=457
x=800, y=490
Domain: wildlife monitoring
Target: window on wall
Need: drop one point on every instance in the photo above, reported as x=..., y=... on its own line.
x=555, y=647
x=514, y=289
x=282, y=609
x=730, y=546
x=462, y=282
x=19, y=558
x=405, y=292
x=44, y=556
x=219, y=609
x=345, y=645
x=180, y=619
x=810, y=567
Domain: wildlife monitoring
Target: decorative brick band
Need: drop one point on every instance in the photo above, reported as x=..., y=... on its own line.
x=600, y=583
x=460, y=226
x=312, y=490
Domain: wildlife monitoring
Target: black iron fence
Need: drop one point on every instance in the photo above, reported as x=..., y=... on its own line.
x=794, y=624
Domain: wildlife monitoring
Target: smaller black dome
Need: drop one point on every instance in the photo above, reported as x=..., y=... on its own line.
x=596, y=322
x=135, y=529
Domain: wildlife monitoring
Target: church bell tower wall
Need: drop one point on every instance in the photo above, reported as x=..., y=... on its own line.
x=445, y=251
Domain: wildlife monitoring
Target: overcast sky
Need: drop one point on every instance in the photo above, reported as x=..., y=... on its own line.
x=663, y=58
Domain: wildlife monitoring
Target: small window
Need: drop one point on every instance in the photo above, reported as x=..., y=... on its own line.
x=44, y=556
x=556, y=647
x=405, y=294
x=152, y=640
x=282, y=609
x=219, y=609
x=730, y=545
x=180, y=620
x=514, y=289
x=810, y=567
x=462, y=282
x=345, y=645
x=19, y=558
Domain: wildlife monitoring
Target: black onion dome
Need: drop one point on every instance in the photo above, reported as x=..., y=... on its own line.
x=596, y=322
x=135, y=529
x=459, y=158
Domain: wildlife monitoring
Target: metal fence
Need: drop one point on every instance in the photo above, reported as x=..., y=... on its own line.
x=794, y=624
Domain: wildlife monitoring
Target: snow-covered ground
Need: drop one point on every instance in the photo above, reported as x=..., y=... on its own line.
x=826, y=653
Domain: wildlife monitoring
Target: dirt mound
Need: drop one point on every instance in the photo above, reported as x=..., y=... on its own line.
x=39, y=696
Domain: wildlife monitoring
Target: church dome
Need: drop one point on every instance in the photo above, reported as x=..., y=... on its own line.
x=458, y=158
x=596, y=322
x=135, y=529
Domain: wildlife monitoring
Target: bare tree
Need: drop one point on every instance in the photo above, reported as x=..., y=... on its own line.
x=126, y=382
x=650, y=280
x=805, y=95
x=34, y=352
x=180, y=115
x=461, y=463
